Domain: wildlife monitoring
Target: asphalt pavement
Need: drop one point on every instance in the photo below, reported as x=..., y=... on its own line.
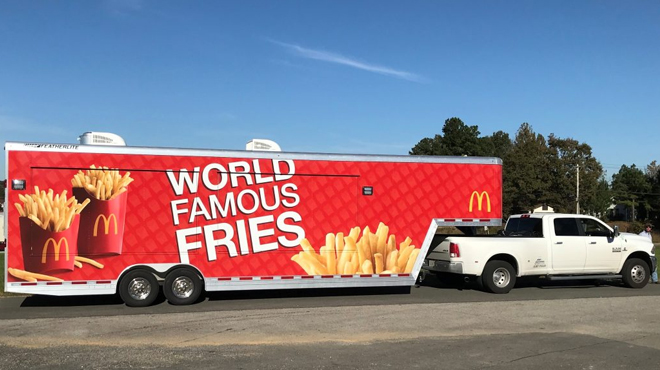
x=556, y=326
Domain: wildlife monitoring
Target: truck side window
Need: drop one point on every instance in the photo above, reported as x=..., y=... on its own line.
x=566, y=227
x=524, y=227
x=593, y=227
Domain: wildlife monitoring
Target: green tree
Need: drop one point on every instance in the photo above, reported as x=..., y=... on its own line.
x=427, y=146
x=567, y=158
x=602, y=200
x=457, y=139
x=527, y=181
x=630, y=187
x=500, y=144
x=460, y=139
x=653, y=199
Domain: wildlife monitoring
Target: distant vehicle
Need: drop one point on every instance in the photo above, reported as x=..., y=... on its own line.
x=557, y=246
x=101, y=219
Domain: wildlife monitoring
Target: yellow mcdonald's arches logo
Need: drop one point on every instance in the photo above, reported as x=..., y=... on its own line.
x=480, y=198
x=56, y=247
x=106, y=223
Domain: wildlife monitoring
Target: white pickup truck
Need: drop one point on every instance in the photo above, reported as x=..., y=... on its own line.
x=557, y=246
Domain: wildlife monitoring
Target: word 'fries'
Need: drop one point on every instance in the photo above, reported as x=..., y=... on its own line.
x=371, y=253
x=101, y=182
x=48, y=211
x=30, y=276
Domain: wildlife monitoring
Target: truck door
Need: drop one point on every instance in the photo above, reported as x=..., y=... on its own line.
x=569, y=251
x=603, y=251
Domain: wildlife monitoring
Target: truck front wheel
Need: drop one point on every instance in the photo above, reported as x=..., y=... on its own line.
x=635, y=273
x=498, y=277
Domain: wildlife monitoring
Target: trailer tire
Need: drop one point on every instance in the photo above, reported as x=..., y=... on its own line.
x=182, y=286
x=635, y=273
x=138, y=288
x=498, y=277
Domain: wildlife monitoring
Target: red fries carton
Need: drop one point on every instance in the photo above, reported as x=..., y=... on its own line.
x=46, y=251
x=101, y=224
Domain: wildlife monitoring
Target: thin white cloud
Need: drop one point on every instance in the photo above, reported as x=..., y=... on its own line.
x=330, y=57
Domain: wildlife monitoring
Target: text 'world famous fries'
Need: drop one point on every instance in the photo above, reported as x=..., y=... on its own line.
x=50, y=212
x=101, y=182
x=369, y=253
x=30, y=276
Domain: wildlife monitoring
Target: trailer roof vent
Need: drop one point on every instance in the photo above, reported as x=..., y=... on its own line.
x=262, y=145
x=101, y=138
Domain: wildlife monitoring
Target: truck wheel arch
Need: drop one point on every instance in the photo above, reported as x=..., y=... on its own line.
x=639, y=254
x=507, y=258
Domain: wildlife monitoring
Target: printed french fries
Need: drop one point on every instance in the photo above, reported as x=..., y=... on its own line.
x=90, y=261
x=48, y=211
x=34, y=277
x=101, y=182
x=30, y=276
x=371, y=253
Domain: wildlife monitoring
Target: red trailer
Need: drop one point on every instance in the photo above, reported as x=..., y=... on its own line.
x=86, y=220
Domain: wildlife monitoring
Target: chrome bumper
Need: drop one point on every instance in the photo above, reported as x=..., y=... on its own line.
x=443, y=266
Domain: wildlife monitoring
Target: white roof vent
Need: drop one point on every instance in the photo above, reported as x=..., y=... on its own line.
x=262, y=145
x=101, y=138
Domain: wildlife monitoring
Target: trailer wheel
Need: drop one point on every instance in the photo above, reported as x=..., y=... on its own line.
x=635, y=273
x=138, y=288
x=182, y=286
x=498, y=277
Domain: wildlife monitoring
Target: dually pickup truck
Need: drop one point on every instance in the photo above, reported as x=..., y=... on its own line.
x=552, y=245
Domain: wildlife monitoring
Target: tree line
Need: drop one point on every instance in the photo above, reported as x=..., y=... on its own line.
x=544, y=171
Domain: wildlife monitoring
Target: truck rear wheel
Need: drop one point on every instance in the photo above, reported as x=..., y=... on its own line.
x=636, y=273
x=498, y=277
x=182, y=286
x=138, y=288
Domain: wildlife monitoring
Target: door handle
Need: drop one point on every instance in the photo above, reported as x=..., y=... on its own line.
x=559, y=243
x=592, y=243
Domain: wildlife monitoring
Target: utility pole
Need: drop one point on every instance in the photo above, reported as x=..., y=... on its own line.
x=577, y=191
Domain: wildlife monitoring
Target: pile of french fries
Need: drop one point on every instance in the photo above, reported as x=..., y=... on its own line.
x=354, y=254
x=50, y=212
x=102, y=182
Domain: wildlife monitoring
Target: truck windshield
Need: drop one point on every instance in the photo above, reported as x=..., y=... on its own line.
x=524, y=227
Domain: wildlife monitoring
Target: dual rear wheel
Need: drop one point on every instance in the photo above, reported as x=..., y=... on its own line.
x=140, y=287
x=499, y=277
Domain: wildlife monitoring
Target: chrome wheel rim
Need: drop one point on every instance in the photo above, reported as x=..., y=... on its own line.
x=183, y=287
x=638, y=274
x=139, y=288
x=501, y=277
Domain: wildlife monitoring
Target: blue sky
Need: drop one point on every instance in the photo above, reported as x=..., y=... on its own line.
x=332, y=76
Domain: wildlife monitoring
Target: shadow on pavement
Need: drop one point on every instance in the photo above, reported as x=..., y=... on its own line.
x=452, y=281
x=296, y=293
x=108, y=300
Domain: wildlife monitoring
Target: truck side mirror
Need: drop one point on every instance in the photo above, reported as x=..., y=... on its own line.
x=616, y=231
